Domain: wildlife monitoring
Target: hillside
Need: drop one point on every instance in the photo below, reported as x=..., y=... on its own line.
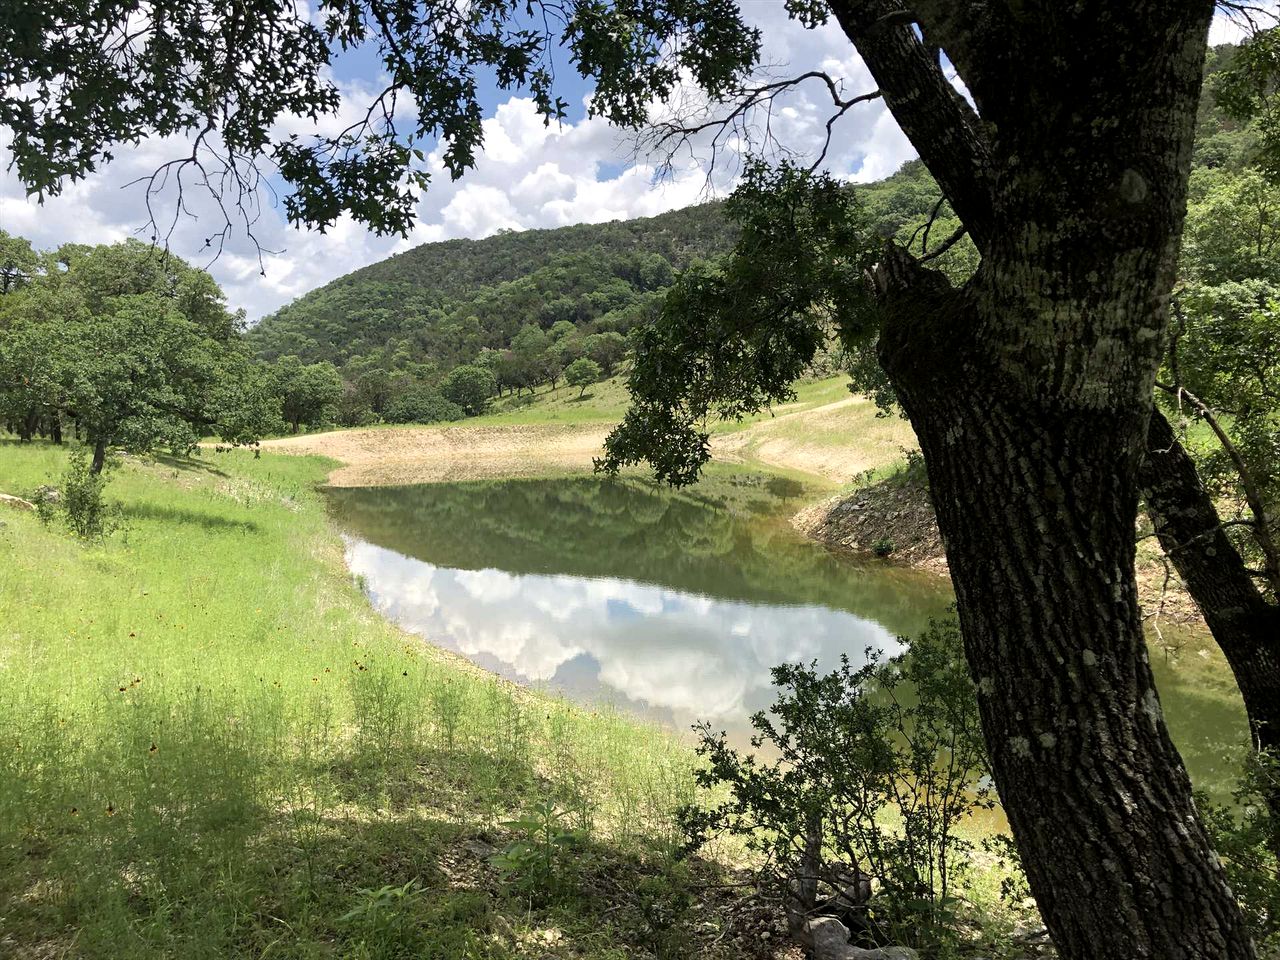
x=526, y=307
x=442, y=303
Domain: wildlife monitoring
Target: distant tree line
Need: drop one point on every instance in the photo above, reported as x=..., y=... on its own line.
x=523, y=307
x=127, y=346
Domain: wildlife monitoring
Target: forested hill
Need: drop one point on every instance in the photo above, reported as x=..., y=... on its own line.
x=442, y=303
x=523, y=307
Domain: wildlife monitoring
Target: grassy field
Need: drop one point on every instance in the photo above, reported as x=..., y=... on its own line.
x=607, y=401
x=825, y=435
x=210, y=746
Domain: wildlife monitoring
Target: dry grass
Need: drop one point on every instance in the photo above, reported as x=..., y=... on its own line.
x=389, y=457
x=825, y=434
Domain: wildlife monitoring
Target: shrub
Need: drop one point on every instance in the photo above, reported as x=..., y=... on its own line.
x=1247, y=837
x=80, y=504
x=883, y=547
x=876, y=768
x=422, y=406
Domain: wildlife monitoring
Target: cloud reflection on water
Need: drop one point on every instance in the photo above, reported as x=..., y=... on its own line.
x=678, y=656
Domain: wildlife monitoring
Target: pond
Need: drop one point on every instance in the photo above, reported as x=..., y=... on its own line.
x=674, y=605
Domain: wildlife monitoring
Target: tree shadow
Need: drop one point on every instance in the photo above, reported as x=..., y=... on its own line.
x=401, y=848
x=208, y=521
x=188, y=463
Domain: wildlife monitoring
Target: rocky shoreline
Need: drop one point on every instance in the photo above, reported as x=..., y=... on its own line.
x=893, y=518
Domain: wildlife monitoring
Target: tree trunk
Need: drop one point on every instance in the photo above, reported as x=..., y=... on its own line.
x=57, y=429
x=1030, y=391
x=99, y=456
x=1036, y=495
x=1243, y=622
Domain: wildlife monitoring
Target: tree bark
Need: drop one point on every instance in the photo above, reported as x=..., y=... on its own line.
x=1030, y=391
x=1245, y=624
x=1036, y=500
x=99, y=456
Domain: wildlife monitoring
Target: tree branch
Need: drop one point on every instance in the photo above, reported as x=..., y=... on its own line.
x=1253, y=495
x=669, y=137
x=938, y=121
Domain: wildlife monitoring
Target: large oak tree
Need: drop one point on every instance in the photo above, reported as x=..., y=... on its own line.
x=1029, y=384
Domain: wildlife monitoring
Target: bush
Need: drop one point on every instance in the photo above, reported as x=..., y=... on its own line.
x=876, y=768
x=883, y=547
x=422, y=406
x=1247, y=837
x=80, y=504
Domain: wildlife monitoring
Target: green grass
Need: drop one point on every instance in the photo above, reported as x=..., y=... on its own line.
x=608, y=400
x=210, y=746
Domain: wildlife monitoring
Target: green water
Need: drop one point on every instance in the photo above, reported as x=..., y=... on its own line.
x=675, y=604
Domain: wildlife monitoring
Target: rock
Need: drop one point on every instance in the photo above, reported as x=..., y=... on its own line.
x=1030, y=932
x=47, y=494
x=831, y=942
x=830, y=939
x=16, y=502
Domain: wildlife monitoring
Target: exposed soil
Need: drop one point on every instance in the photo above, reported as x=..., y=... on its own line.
x=898, y=511
x=836, y=441
x=439, y=454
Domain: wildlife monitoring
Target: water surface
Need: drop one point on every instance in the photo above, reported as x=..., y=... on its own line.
x=675, y=604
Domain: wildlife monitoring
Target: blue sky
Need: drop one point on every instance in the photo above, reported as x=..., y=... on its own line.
x=528, y=175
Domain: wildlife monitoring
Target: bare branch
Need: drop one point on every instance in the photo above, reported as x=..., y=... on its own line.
x=745, y=114
x=946, y=245
x=938, y=121
x=1253, y=495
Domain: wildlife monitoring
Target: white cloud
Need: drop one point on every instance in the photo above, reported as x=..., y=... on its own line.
x=689, y=657
x=529, y=175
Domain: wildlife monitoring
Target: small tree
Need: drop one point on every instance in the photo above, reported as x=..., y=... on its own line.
x=309, y=393
x=470, y=387
x=582, y=373
x=420, y=405
x=606, y=349
x=894, y=740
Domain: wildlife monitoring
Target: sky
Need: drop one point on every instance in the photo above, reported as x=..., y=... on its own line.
x=529, y=175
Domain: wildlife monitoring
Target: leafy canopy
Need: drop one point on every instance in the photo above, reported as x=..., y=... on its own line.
x=135, y=346
x=87, y=75
x=733, y=337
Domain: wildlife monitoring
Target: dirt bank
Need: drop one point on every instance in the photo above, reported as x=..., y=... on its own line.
x=836, y=441
x=386, y=457
x=897, y=512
